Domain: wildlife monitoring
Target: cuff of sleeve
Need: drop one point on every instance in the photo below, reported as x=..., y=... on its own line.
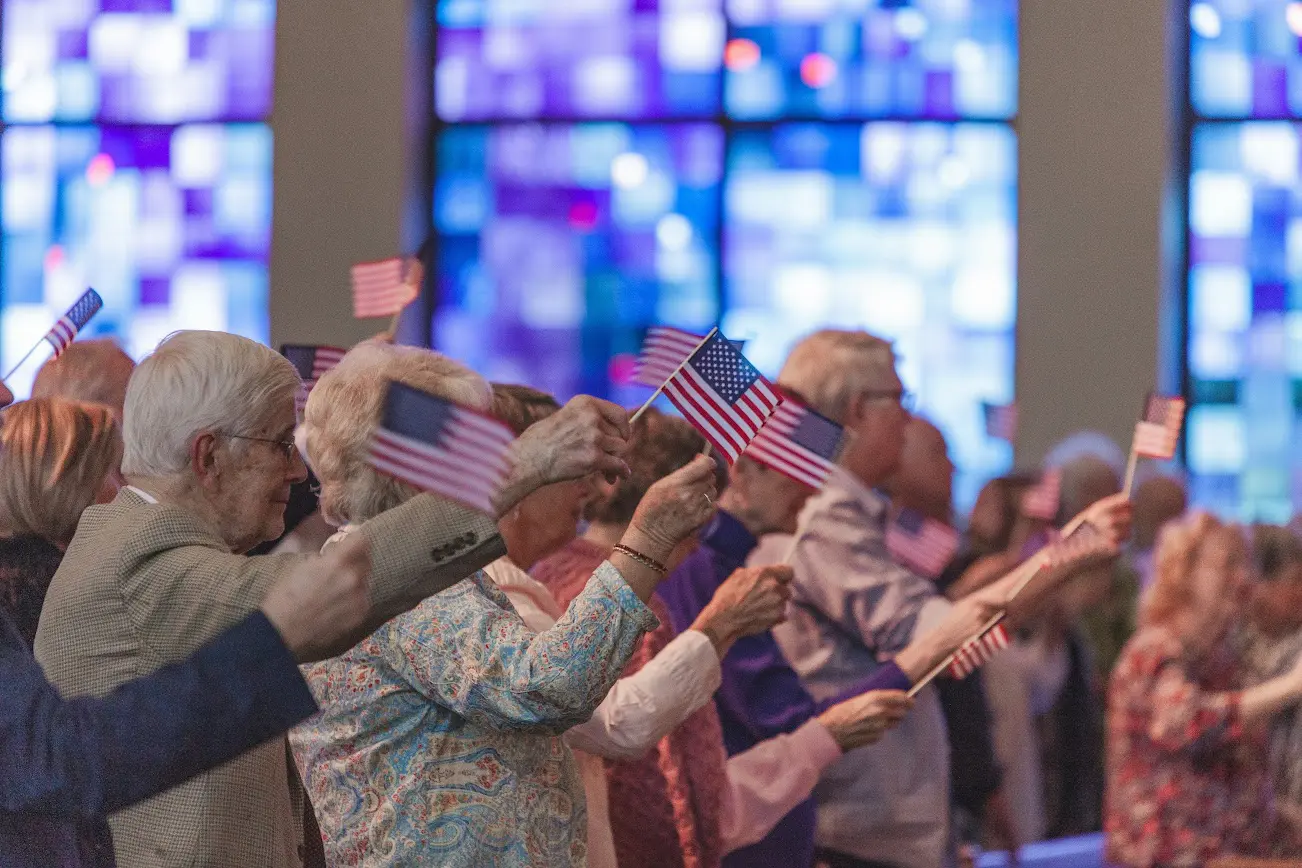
x=889, y=676
x=816, y=743
x=259, y=657
x=694, y=665
x=612, y=582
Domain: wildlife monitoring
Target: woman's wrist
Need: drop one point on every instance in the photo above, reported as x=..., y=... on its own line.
x=647, y=545
x=718, y=629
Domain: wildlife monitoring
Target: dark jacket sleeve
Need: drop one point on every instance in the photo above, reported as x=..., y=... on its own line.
x=87, y=757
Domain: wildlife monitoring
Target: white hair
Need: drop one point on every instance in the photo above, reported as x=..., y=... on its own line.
x=197, y=382
x=830, y=368
x=344, y=409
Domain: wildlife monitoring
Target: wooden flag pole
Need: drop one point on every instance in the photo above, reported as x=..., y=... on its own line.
x=1130, y=470
x=683, y=364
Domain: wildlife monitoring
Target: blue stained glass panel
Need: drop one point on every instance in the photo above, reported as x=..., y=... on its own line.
x=524, y=59
x=1246, y=58
x=907, y=230
x=171, y=225
x=1245, y=318
x=137, y=61
x=560, y=244
x=928, y=59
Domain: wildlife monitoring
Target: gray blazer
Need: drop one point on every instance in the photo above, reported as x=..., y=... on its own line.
x=143, y=585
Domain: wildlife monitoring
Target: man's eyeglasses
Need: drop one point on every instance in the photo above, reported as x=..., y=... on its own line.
x=287, y=447
x=903, y=397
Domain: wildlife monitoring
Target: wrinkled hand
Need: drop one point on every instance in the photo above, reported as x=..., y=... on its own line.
x=752, y=600
x=585, y=436
x=673, y=509
x=319, y=606
x=1111, y=516
x=866, y=718
x=965, y=618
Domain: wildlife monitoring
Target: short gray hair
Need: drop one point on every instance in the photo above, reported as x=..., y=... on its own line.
x=344, y=410
x=197, y=381
x=829, y=368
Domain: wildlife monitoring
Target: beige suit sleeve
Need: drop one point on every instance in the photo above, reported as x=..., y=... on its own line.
x=181, y=591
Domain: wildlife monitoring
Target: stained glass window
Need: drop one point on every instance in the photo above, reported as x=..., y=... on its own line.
x=135, y=160
x=907, y=230
x=518, y=59
x=137, y=61
x=773, y=166
x=872, y=58
x=1245, y=317
x=170, y=224
x=1246, y=58
x=560, y=244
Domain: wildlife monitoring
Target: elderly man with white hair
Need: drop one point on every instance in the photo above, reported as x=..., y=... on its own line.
x=209, y=458
x=855, y=607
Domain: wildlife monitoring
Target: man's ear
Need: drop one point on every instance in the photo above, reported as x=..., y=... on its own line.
x=204, y=459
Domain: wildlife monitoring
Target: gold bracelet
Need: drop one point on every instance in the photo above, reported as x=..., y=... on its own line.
x=649, y=563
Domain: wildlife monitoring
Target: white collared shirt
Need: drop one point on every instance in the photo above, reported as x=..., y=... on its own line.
x=142, y=494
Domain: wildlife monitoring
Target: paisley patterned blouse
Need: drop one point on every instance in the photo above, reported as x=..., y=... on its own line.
x=438, y=742
x=1185, y=781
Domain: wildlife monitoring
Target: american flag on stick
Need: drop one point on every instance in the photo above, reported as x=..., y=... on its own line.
x=1158, y=431
x=798, y=442
x=439, y=446
x=65, y=330
x=922, y=544
x=311, y=362
x=722, y=395
x=1001, y=421
x=974, y=653
x=1041, y=501
x=382, y=288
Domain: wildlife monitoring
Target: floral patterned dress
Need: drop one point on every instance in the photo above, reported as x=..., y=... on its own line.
x=438, y=740
x=1185, y=782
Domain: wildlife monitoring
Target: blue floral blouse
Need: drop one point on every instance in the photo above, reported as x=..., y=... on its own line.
x=438, y=740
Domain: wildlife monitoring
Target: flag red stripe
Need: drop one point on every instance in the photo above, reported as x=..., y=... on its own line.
x=709, y=408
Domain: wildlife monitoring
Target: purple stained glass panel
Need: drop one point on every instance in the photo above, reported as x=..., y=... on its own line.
x=927, y=59
x=505, y=60
x=170, y=224
x=137, y=61
x=560, y=244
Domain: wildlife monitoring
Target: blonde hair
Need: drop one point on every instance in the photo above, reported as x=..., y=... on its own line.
x=830, y=368
x=1178, y=546
x=344, y=408
x=96, y=371
x=54, y=458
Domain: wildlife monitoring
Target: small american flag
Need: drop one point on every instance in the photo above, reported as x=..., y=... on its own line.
x=1041, y=502
x=1158, y=432
x=922, y=544
x=974, y=653
x=65, y=330
x=798, y=442
x=311, y=362
x=439, y=446
x=382, y=288
x=1001, y=421
x=723, y=396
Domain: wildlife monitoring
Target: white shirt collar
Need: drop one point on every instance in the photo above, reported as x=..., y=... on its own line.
x=142, y=494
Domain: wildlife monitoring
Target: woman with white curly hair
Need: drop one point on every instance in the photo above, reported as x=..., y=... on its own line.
x=439, y=737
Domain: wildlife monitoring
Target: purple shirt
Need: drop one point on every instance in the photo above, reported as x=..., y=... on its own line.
x=761, y=696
